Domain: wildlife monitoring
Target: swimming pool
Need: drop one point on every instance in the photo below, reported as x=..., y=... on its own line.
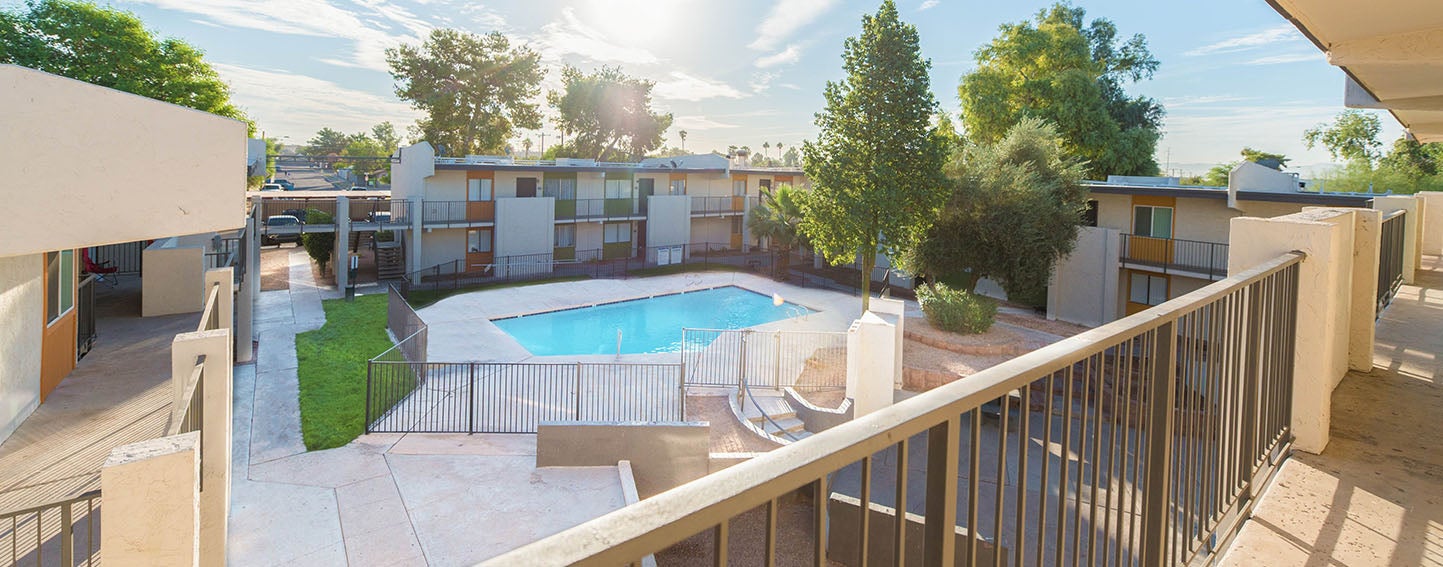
x=651, y=325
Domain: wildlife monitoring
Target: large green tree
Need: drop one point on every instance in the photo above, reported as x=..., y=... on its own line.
x=1072, y=73
x=876, y=166
x=1351, y=137
x=326, y=142
x=112, y=48
x=385, y=135
x=1015, y=210
x=608, y=113
x=475, y=89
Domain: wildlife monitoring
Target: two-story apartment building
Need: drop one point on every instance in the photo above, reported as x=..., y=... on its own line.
x=1157, y=239
x=489, y=213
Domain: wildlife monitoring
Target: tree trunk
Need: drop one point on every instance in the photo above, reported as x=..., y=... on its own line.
x=869, y=261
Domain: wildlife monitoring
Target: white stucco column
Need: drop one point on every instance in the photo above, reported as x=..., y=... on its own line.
x=1363, y=296
x=245, y=295
x=893, y=311
x=1432, y=222
x=1412, y=226
x=152, y=508
x=218, y=374
x=1320, y=357
x=871, y=358
x=413, y=237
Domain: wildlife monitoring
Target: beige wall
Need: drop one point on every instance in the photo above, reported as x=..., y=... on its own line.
x=408, y=177
x=590, y=185
x=589, y=235
x=446, y=185
x=708, y=184
x=525, y=226
x=22, y=318
x=1195, y=218
x=1432, y=225
x=442, y=245
x=1084, y=284
x=662, y=455
x=668, y=220
x=115, y=166
x=174, y=276
x=717, y=231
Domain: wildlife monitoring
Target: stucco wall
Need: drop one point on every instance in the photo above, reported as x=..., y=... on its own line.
x=408, y=178
x=589, y=236
x=1432, y=222
x=115, y=166
x=1194, y=218
x=668, y=220
x=22, y=307
x=1113, y=211
x=525, y=226
x=662, y=455
x=442, y=245
x=174, y=277
x=446, y=185
x=717, y=231
x=1084, y=284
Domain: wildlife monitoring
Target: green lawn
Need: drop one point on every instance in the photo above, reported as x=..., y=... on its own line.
x=333, y=369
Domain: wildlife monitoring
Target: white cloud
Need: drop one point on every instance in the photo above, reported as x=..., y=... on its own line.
x=791, y=54
x=761, y=81
x=1276, y=34
x=928, y=5
x=570, y=36
x=786, y=17
x=699, y=123
x=289, y=104
x=1214, y=134
x=1287, y=58
x=681, y=86
x=372, y=25
x=1194, y=100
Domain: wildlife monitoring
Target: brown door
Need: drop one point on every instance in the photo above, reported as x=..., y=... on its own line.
x=480, y=196
x=526, y=187
x=479, y=251
x=57, y=342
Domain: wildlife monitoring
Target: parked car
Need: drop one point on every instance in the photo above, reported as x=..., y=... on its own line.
x=272, y=187
x=359, y=188
x=285, y=184
x=277, y=221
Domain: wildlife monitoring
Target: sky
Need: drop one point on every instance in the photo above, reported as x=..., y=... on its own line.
x=743, y=72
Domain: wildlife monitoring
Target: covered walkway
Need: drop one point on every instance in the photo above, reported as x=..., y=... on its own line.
x=118, y=394
x=1375, y=494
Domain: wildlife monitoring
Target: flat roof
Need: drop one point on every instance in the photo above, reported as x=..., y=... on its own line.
x=1208, y=192
x=563, y=168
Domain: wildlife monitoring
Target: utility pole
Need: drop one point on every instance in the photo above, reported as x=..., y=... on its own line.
x=543, y=143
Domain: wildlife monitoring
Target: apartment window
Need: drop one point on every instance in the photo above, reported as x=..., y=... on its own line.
x=678, y=187
x=1147, y=289
x=765, y=185
x=615, y=232
x=526, y=187
x=478, y=240
x=566, y=236
x=1152, y=221
x=618, y=188
x=739, y=188
x=561, y=189
x=736, y=225
x=645, y=187
x=60, y=282
x=1089, y=214
x=478, y=189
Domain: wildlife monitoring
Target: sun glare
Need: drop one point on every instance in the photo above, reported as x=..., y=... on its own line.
x=638, y=23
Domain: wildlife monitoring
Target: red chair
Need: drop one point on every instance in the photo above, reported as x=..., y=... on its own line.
x=103, y=271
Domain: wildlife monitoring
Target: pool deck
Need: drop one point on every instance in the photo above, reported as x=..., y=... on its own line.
x=460, y=328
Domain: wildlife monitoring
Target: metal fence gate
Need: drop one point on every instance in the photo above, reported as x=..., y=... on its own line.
x=803, y=360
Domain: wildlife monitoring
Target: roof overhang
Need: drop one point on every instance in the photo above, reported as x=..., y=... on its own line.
x=1391, y=50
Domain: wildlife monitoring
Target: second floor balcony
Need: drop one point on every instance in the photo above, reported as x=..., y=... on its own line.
x=1208, y=260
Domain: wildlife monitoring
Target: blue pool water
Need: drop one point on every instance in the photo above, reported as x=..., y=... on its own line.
x=650, y=325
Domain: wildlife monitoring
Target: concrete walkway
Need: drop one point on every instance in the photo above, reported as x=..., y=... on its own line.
x=382, y=499
x=1375, y=494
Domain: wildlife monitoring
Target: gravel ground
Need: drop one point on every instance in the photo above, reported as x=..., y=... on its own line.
x=1036, y=322
x=276, y=267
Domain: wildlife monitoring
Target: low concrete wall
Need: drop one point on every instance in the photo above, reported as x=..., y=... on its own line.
x=173, y=278
x=1432, y=222
x=843, y=518
x=22, y=319
x=662, y=455
x=816, y=418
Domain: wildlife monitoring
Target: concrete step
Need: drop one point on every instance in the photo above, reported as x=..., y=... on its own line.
x=777, y=426
x=771, y=406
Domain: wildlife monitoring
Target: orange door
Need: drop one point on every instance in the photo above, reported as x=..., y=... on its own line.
x=57, y=342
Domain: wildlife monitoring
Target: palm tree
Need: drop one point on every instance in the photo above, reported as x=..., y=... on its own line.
x=776, y=219
x=766, y=149
x=526, y=143
x=683, y=139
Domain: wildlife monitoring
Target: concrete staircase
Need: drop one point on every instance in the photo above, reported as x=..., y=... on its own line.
x=783, y=426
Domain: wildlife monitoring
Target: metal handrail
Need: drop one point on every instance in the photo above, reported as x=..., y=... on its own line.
x=748, y=388
x=635, y=531
x=210, y=314
x=23, y=517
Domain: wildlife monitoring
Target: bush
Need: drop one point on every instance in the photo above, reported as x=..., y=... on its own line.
x=956, y=310
x=320, y=245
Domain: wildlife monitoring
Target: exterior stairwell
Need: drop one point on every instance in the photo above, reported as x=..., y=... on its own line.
x=768, y=414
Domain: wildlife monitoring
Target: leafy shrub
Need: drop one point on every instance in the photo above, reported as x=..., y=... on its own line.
x=955, y=310
x=320, y=245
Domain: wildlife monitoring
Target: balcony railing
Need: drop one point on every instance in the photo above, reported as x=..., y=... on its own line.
x=1143, y=441
x=385, y=213
x=457, y=212
x=59, y=533
x=721, y=205
x=590, y=209
x=1176, y=255
x=1390, y=258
